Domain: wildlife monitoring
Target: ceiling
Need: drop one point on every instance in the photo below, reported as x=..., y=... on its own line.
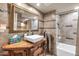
x=59, y=7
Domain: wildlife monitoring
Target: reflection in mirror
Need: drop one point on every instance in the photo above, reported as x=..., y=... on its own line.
x=24, y=20
x=34, y=24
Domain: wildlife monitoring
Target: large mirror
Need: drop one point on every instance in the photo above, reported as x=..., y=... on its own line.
x=23, y=20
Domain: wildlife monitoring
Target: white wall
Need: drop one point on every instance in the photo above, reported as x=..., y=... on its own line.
x=50, y=23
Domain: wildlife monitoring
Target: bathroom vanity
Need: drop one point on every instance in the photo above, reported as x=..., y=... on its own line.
x=32, y=45
x=26, y=48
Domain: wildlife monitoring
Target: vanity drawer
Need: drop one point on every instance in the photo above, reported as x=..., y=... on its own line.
x=38, y=51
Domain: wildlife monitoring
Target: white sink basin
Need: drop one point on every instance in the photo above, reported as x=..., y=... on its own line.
x=33, y=38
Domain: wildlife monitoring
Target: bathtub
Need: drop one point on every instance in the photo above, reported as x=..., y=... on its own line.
x=65, y=49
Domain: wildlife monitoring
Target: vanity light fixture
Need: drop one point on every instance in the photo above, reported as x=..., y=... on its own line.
x=38, y=4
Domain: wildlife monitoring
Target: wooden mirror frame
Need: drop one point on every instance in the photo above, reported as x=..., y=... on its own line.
x=11, y=20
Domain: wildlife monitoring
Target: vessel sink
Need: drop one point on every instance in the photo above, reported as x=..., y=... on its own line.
x=33, y=38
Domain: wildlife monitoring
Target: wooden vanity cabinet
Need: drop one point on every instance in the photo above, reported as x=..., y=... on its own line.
x=25, y=48
x=38, y=49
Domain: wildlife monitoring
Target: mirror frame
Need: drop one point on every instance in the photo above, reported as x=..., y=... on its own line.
x=11, y=10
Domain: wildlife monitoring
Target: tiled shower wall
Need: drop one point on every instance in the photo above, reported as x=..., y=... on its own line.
x=67, y=25
x=50, y=23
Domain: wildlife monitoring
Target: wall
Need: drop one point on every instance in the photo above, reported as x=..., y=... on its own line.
x=50, y=28
x=4, y=21
x=68, y=28
x=50, y=23
x=3, y=14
